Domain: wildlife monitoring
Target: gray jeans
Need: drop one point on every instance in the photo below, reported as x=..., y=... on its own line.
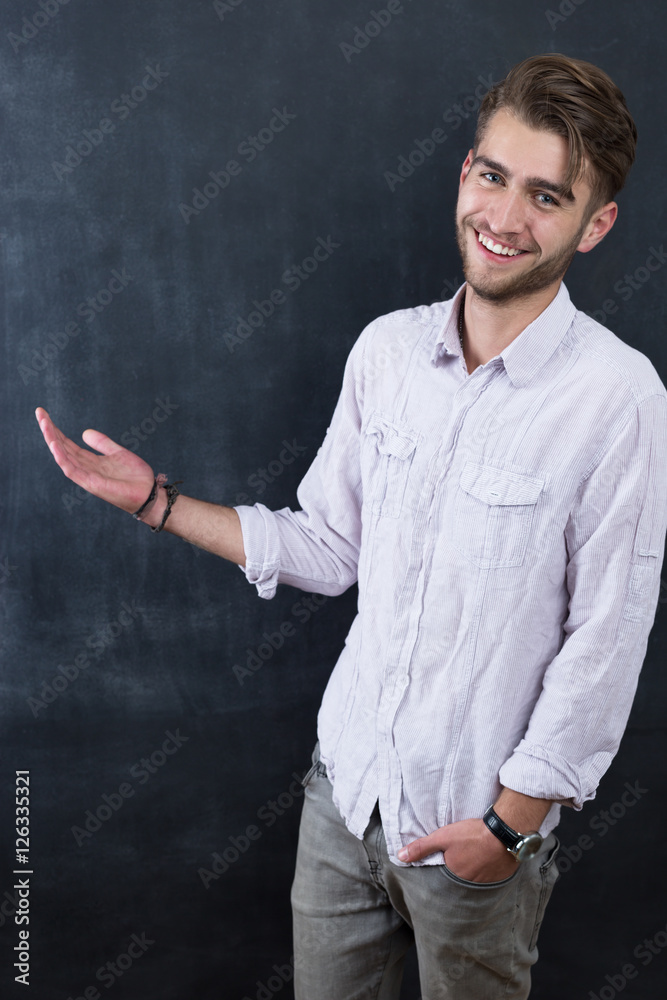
x=356, y=914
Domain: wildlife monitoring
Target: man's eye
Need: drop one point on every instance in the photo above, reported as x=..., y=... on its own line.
x=548, y=199
x=493, y=177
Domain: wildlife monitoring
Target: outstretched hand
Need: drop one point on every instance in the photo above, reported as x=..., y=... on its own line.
x=116, y=475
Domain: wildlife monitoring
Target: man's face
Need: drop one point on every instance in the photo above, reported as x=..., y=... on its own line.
x=511, y=195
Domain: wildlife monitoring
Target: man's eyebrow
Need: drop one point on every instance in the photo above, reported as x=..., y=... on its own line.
x=539, y=182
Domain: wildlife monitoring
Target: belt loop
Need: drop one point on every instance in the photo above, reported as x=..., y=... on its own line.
x=317, y=765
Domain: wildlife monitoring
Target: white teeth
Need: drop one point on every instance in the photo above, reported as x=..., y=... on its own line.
x=497, y=248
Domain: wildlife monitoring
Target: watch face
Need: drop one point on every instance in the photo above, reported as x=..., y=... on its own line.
x=528, y=846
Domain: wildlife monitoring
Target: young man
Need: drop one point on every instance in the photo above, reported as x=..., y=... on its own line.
x=494, y=479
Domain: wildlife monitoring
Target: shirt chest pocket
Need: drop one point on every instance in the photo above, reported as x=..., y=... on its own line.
x=494, y=511
x=388, y=449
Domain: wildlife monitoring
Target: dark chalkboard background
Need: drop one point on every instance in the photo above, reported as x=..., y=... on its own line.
x=113, y=113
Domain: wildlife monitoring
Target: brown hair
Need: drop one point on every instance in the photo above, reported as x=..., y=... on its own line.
x=578, y=101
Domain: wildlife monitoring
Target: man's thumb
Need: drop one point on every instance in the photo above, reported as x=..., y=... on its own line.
x=417, y=849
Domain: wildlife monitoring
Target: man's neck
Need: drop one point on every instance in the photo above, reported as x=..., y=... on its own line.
x=490, y=326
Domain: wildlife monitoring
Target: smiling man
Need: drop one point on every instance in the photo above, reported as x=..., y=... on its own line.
x=544, y=224
x=519, y=224
x=494, y=479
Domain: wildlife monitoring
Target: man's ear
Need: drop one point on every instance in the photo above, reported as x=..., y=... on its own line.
x=598, y=226
x=465, y=169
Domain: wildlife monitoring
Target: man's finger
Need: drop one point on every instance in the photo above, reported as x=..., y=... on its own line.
x=46, y=425
x=422, y=847
x=66, y=453
x=52, y=434
x=100, y=442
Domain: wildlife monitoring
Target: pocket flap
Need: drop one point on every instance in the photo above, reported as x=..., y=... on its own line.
x=392, y=438
x=499, y=486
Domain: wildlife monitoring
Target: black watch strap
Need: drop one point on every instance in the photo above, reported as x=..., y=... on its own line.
x=505, y=834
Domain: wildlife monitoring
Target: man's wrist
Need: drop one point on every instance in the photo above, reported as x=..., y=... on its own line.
x=491, y=841
x=522, y=846
x=521, y=812
x=154, y=516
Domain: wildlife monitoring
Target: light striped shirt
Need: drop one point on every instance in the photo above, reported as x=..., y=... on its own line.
x=506, y=529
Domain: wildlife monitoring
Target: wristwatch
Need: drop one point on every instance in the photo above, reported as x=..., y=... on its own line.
x=521, y=845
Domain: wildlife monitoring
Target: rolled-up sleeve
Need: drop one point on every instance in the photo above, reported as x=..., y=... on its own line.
x=615, y=539
x=316, y=548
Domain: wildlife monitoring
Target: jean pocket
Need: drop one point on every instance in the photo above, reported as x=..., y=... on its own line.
x=494, y=511
x=477, y=885
x=388, y=448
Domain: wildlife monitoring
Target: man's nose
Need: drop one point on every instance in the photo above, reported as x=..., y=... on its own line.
x=507, y=214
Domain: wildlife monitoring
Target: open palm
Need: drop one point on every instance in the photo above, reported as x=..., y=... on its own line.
x=116, y=474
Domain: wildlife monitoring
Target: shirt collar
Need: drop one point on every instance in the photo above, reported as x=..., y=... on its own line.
x=530, y=350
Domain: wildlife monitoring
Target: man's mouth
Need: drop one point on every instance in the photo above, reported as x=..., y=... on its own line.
x=499, y=249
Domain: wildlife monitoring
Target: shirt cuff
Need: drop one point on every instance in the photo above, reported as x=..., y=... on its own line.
x=542, y=774
x=261, y=543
